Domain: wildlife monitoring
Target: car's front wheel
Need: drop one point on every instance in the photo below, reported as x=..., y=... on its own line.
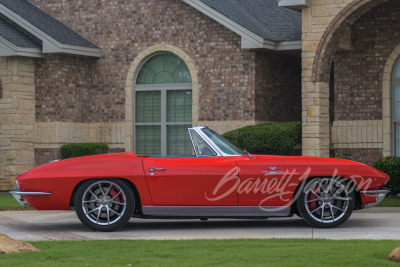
x=326, y=203
x=104, y=205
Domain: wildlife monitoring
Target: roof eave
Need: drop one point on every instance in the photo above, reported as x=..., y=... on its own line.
x=271, y=45
x=8, y=49
x=49, y=48
x=297, y=5
x=249, y=40
x=50, y=45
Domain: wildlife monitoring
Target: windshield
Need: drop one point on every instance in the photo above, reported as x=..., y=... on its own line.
x=223, y=144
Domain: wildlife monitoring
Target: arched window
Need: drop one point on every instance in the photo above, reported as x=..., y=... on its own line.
x=396, y=109
x=163, y=106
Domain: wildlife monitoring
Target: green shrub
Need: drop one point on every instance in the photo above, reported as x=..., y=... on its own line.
x=390, y=166
x=343, y=157
x=269, y=138
x=83, y=149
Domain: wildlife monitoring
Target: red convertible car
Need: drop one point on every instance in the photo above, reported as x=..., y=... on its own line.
x=218, y=180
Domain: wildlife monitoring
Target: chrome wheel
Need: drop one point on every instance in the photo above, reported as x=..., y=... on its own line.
x=104, y=205
x=326, y=202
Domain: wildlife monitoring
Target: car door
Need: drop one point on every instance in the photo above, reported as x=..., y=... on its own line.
x=192, y=181
x=267, y=181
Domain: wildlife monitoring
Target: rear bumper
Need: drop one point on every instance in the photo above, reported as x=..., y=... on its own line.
x=18, y=195
x=379, y=193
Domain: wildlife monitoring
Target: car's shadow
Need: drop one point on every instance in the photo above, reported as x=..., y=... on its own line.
x=149, y=225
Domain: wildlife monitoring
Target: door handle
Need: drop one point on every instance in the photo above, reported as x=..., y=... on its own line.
x=156, y=169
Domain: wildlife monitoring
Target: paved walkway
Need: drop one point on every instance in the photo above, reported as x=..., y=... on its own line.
x=375, y=223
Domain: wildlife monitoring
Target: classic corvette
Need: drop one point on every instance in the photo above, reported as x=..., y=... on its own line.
x=218, y=180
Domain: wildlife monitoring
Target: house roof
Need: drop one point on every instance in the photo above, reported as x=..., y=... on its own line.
x=263, y=17
x=46, y=23
x=15, y=36
x=261, y=23
x=53, y=36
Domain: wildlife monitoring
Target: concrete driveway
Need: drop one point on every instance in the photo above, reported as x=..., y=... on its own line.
x=375, y=223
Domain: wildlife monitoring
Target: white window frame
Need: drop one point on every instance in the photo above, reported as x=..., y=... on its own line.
x=164, y=88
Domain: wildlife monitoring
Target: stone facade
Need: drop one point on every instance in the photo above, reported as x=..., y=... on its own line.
x=17, y=117
x=50, y=136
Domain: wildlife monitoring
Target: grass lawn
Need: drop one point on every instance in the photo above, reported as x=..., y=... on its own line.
x=390, y=202
x=8, y=202
x=235, y=252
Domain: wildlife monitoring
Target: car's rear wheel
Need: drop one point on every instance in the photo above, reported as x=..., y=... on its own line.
x=104, y=205
x=326, y=203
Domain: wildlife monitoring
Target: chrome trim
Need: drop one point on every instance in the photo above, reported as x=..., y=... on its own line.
x=156, y=169
x=20, y=193
x=191, y=140
x=380, y=195
x=215, y=211
x=208, y=141
x=16, y=182
x=21, y=200
x=379, y=191
x=190, y=130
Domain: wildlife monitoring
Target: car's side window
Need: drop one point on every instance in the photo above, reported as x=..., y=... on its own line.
x=200, y=148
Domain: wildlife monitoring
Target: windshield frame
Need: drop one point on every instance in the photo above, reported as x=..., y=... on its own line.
x=200, y=132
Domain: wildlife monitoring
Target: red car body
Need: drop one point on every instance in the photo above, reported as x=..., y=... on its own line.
x=179, y=186
x=187, y=181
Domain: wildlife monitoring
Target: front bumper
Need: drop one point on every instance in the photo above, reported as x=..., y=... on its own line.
x=379, y=193
x=18, y=195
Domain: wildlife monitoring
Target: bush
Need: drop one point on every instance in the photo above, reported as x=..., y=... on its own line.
x=269, y=138
x=390, y=166
x=343, y=157
x=83, y=149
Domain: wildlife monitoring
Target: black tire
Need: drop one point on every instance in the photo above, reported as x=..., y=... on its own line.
x=295, y=211
x=104, y=204
x=326, y=202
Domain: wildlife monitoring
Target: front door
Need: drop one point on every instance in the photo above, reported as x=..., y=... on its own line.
x=192, y=181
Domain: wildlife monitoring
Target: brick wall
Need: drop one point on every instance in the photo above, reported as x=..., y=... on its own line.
x=62, y=84
x=45, y=155
x=359, y=72
x=365, y=155
x=278, y=79
x=123, y=29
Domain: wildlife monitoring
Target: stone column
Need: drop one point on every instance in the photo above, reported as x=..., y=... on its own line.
x=17, y=117
x=315, y=92
x=315, y=117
